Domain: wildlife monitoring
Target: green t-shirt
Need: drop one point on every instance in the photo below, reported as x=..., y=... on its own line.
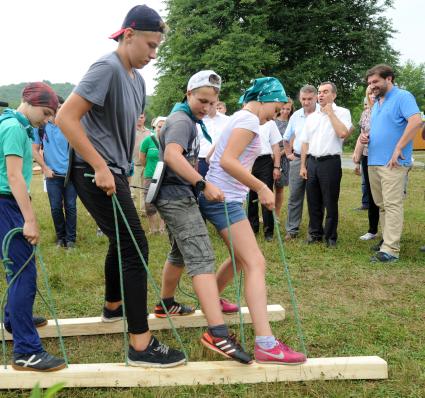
x=14, y=140
x=152, y=156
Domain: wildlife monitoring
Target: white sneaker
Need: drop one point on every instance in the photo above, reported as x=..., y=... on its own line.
x=368, y=236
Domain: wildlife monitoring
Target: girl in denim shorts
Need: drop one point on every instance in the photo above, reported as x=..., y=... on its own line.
x=230, y=165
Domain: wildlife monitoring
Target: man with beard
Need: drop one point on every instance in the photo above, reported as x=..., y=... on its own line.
x=394, y=122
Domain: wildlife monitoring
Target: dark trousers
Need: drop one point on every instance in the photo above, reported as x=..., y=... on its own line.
x=323, y=186
x=203, y=167
x=365, y=195
x=63, y=206
x=99, y=206
x=373, y=210
x=21, y=294
x=263, y=170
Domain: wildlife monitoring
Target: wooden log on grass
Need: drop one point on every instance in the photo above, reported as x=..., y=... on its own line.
x=94, y=325
x=194, y=373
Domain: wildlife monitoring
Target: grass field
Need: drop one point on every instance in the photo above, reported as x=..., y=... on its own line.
x=348, y=306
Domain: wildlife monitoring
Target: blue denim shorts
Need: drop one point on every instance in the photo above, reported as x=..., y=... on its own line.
x=215, y=214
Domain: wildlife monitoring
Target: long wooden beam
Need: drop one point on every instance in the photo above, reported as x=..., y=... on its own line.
x=217, y=372
x=93, y=326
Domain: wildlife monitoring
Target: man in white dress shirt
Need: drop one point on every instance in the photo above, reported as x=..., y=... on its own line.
x=215, y=122
x=322, y=138
x=292, y=144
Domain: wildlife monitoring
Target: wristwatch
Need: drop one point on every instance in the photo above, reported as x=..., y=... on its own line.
x=277, y=167
x=200, y=185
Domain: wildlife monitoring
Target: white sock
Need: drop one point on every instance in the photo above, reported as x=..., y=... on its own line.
x=265, y=342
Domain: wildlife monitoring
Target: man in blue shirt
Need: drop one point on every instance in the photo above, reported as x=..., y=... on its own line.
x=292, y=144
x=395, y=120
x=54, y=164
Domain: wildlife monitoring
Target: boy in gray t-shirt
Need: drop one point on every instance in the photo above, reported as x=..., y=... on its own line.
x=177, y=205
x=99, y=121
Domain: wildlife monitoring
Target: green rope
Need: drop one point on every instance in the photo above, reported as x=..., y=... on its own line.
x=235, y=278
x=116, y=205
x=191, y=296
x=290, y=288
x=151, y=279
x=124, y=317
x=50, y=305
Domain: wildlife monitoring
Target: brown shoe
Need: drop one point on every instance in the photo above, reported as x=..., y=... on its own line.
x=289, y=237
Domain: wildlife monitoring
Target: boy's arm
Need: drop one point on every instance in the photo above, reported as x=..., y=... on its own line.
x=173, y=157
x=69, y=121
x=20, y=193
x=47, y=171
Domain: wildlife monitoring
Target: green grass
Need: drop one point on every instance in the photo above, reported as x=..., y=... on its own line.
x=348, y=306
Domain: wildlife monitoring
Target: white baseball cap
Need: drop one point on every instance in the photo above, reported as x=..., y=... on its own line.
x=204, y=78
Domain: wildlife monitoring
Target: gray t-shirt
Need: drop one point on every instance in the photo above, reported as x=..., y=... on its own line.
x=118, y=100
x=180, y=129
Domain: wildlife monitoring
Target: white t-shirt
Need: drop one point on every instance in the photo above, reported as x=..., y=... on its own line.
x=215, y=127
x=320, y=135
x=270, y=135
x=233, y=190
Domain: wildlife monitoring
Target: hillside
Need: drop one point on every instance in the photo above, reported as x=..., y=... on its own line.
x=12, y=93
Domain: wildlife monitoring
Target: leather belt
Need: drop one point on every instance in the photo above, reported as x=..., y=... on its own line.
x=322, y=158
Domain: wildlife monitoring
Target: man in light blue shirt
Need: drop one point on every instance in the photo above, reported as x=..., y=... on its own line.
x=395, y=120
x=54, y=164
x=292, y=144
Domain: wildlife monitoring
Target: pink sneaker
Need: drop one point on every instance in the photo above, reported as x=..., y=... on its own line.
x=281, y=354
x=227, y=307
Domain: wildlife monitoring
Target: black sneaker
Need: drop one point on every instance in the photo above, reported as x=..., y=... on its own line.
x=70, y=245
x=156, y=355
x=61, y=243
x=228, y=346
x=313, y=240
x=112, y=315
x=383, y=258
x=175, y=309
x=41, y=362
x=268, y=238
x=38, y=321
x=330, y=243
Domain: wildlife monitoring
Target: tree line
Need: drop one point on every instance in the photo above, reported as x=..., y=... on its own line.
x=298, y=41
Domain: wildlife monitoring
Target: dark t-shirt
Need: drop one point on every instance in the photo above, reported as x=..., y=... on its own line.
x=180, y=129
x=118, y=100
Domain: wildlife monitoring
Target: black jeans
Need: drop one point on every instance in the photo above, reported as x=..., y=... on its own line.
x=323, y=186
x=99, y=206
x=263, y=170
x=373, y=210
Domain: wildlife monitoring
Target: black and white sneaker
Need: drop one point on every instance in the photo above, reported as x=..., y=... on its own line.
x=156, y=355
x=175, y=309
x=112, y=315
x=38, y=321
x=41, y=362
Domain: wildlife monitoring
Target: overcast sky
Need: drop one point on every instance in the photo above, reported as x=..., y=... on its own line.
x=58, y=40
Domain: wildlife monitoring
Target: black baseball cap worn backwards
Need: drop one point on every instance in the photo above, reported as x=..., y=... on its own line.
x=141, y=18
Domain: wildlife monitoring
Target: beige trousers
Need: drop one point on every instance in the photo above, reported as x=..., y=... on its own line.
x=387, y=187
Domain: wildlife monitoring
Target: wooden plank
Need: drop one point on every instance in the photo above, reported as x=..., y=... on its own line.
x=217, y=372
x=93, y=326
